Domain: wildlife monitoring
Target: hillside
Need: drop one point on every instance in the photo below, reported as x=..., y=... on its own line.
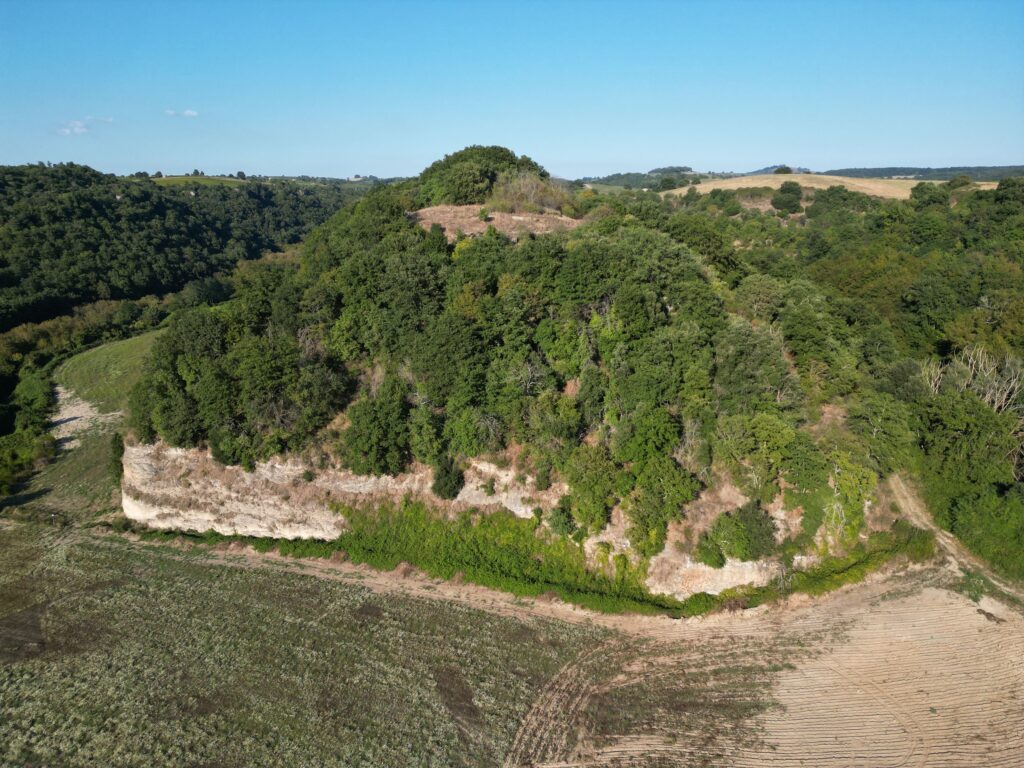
x=634, y=359
x=973, y=172
x=896, y=189
x=652, y=487
x=86, y=257
x=463, y=674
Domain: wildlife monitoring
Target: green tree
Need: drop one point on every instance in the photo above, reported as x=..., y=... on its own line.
x=377, y=439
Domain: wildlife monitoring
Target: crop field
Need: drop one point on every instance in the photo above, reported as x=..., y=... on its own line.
x=898, y=189
x=230, y=666
x=233, y=658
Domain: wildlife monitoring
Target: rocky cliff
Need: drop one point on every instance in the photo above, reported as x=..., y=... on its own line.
x=185, y=489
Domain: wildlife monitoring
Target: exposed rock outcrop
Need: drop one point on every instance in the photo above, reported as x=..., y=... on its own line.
x=185, y=489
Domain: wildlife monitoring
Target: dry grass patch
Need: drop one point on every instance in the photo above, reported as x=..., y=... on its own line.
x=898, y=189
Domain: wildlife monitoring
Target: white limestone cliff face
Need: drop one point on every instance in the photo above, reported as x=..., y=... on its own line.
x=185, y=489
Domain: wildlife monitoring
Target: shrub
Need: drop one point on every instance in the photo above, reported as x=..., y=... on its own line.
x=116, y=455
x=377, y=440
x=560, y=518
x=448, y=479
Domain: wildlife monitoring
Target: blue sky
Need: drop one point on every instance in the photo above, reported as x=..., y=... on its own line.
x=585, y=88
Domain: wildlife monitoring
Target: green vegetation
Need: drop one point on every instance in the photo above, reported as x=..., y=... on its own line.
x=973, y=172
x=746, y=534
x=82, y=252
x=70, y=235
x=470, y=175
x=787, y=199
x=637, y=353
x=183, y=181
x=104, y=376
x=240, y=666
x=670, y=177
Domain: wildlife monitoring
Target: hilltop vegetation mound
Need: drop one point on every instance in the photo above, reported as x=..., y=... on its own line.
x=636, y=356
x=469, y=176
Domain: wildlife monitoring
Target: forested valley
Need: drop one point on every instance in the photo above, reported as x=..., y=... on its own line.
x=87, y=257
x=802, y=346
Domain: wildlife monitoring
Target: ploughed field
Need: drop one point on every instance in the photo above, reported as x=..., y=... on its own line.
x=233, y=658
x=898, y=189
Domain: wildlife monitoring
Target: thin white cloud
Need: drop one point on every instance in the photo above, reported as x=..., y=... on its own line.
x=170, y=112
x=190, y=113
x=73, y=128
x=183, y=113
x=78, y=127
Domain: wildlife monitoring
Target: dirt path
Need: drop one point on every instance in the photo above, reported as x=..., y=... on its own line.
x=74, y=416
x=911, y=505
x=545, y=732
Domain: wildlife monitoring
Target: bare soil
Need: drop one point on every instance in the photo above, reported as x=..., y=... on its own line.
x=892, y=188
x=75, y=416
x=466, y=219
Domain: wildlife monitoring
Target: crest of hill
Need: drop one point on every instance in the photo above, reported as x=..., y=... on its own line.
x=973, y=172
x=898, y=189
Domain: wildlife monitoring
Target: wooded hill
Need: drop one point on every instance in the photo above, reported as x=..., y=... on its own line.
x=86, y=256
x=70, y=235
x=973, y=172
x=663, y=342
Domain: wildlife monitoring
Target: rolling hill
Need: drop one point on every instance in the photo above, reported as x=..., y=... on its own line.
x=898, y=189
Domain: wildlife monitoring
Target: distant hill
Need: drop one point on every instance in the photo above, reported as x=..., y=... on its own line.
x=771, y=169
x=975, y=172
x=898, y=189
x=657, y=178
x=70, y=235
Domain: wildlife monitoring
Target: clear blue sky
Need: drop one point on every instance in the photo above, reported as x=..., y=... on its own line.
x=584, y=88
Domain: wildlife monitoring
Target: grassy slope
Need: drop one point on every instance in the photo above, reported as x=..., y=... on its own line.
x=892, y=188
x=105, y=375
x=176, y=181
x=78, y=485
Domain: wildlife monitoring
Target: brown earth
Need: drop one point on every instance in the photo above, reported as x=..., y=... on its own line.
x=466, y=219
x=893, y=188
x=910, y=504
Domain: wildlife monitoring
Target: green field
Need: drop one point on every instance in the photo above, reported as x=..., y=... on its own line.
x=231, y=666
x=177, y=181
x=105, y=375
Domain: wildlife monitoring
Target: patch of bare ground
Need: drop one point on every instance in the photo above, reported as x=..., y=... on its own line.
x=892, y=188
x=926, y=680
x=466, y=219
x=833, y=416
x=909, y=502
x=74, y=416
x=186, y=489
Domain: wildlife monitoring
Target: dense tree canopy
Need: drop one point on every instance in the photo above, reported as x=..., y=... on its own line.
x=71, y=235
x=662, y=342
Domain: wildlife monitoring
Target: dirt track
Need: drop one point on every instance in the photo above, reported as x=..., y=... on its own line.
x=911, y=505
